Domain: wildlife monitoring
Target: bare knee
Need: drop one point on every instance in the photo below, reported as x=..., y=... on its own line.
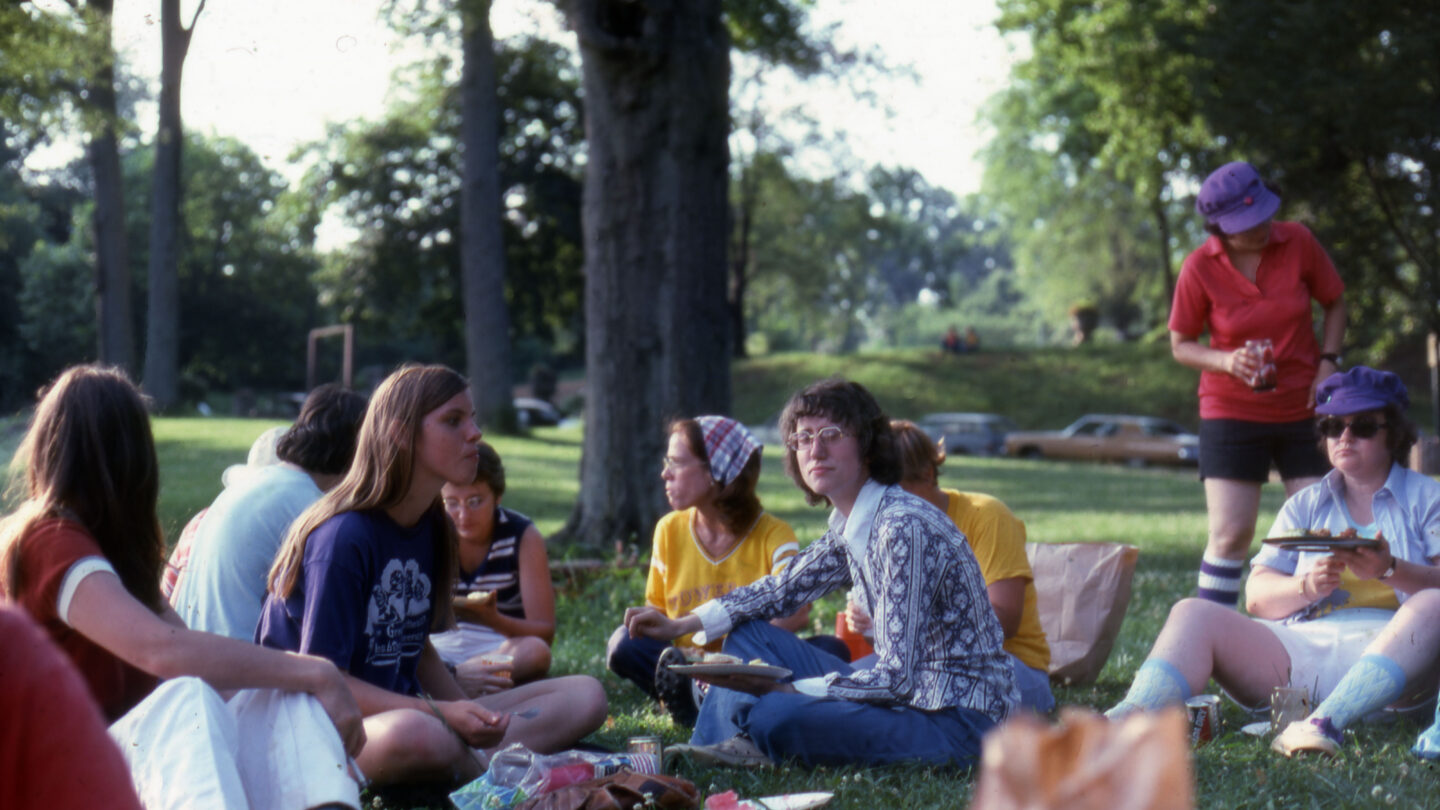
x=407, y=745
x=532, y=657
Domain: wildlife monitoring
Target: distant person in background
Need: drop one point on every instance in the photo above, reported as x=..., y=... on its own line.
x=998, y=539
x=502, y=561
x=223, y=586
x=718, y=538
x=952, y=342
x=972, y=339
x=1253, y=279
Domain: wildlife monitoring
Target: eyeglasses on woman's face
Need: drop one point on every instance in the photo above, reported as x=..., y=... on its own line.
x=1361, y=427
x=673, y=465
x=805, y=440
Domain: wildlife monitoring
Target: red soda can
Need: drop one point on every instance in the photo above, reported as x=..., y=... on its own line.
x=1204, y=718
x=1263, y=350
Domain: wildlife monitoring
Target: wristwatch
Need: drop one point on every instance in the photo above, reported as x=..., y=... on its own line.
x=1389, y=572
x=1334, y=358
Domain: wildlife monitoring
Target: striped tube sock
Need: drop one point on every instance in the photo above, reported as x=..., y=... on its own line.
x=1220, y=579
x=1373, y=683
x=1157, y=683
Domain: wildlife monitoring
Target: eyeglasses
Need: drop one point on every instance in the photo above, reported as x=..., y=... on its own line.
x=671, y=465
x=1361, y=427
x=805, y=439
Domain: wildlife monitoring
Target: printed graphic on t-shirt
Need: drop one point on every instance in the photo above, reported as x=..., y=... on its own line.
x=397, y=617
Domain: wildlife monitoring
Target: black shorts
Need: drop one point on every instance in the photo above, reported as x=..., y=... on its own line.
x=1238, y=450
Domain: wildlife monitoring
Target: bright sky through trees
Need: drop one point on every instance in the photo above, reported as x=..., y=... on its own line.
x=273, y=73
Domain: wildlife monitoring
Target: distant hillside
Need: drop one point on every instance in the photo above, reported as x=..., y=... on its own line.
x=1039, y=389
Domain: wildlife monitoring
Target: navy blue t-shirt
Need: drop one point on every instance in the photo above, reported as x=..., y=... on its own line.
x=365, y=601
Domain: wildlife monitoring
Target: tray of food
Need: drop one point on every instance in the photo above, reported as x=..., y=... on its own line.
x=1320, y=540
x=722, y=664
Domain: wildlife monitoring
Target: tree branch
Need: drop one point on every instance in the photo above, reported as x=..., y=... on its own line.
x=1427, y=270
x=194, y=19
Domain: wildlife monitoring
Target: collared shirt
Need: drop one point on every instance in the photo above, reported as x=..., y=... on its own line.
x=937, y=639
x=1212, y=295
x=1407, y=514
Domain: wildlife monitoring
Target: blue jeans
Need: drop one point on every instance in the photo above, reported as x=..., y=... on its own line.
x=1034, y=686
x=828, y=731
x=634, y=659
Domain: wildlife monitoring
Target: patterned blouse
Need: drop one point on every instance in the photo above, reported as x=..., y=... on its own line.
x=937, y=639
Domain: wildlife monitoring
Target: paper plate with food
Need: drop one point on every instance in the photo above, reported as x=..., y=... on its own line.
x=789, y=801
x=1320, y=540
x=722, y=664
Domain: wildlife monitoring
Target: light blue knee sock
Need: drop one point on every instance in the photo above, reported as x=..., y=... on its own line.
x=1157, y=683
x=1373, y=683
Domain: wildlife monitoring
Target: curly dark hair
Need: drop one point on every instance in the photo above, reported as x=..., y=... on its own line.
x=738, y=504
x=852, y=407
x=490, y=470
x=322, y=440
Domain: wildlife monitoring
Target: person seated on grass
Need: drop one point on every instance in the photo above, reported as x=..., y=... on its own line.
x=1358, y=627
x=82, y=555
x=51, y=722
x=223, y=584
x=718, y=538
x=366, y=574
x=940, y=678
x=502, y=561
x=998, y=539
x=261, y=455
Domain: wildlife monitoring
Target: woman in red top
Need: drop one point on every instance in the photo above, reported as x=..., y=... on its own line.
x=1253, y=279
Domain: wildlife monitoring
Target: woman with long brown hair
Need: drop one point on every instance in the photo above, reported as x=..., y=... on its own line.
x=83, y=553
x=365, y=575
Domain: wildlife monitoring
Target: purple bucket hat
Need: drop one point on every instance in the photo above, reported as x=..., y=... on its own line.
x=729, y=446
x=1360, y=389
x=1235, y=199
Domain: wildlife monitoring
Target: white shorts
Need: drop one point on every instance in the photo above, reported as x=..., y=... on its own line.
x=1322, y=650
x=465, y=642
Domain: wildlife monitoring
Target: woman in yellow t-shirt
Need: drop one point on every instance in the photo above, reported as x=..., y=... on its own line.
x=997, y=539
x=717, y=539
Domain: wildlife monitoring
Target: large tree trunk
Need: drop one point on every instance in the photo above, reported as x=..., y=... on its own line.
x=162, y=331
x=482, y=249
x=656, y=76
x=741, y=260
x=116, y=330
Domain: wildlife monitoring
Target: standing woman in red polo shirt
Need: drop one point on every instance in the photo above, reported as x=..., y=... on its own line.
x=1253, y=280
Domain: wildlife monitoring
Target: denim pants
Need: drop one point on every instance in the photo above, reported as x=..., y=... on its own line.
x=829, y=731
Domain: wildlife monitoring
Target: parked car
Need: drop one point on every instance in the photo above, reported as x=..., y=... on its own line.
x=532, y=412
x=768, y=432
x=1136, y=440
x=975, y=434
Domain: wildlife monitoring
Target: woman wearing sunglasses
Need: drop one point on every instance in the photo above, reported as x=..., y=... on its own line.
x=1354, y=624
x=940, y=678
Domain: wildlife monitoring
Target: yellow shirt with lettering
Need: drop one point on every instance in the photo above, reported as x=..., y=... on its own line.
x=997, y=538
x=683, y=577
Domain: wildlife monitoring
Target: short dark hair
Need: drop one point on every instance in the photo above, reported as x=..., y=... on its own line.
x=854, y=409
x=322, y=440
x=490, y=470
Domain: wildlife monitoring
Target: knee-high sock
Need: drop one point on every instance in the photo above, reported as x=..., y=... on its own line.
x=1220, y=579
x=1157, y=683
x=1373, y=683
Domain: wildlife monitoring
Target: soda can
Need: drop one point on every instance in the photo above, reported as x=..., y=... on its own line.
x=648, y=744
x=1204, y=718
x=1263, y=350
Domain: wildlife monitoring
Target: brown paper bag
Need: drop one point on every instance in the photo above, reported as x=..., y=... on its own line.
x=1082, y=591
x=1087, y=763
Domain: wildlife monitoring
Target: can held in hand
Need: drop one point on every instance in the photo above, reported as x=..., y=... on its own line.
x=1263, y=350
x=1287, y=705
x=1204, y=718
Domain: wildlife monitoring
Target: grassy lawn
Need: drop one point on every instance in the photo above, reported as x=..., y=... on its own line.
x=1161, y=511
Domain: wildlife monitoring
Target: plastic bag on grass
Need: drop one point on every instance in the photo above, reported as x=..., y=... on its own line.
x=1088, y=763
x=516, y=774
